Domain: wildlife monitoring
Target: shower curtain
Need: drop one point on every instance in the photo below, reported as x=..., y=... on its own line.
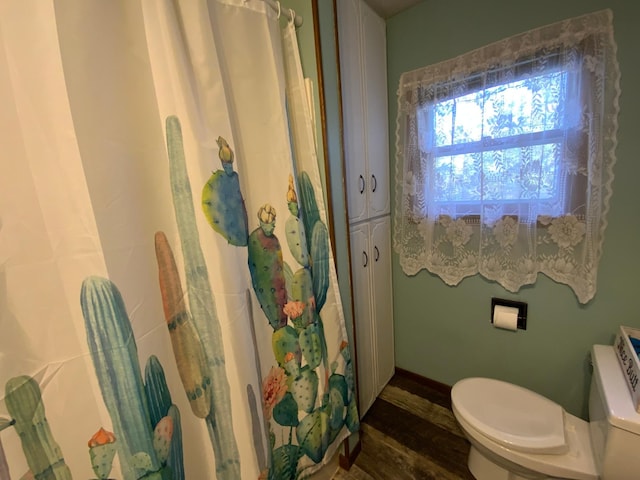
x=168, y=299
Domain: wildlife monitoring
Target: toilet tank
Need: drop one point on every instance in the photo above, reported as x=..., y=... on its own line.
x=614, y=424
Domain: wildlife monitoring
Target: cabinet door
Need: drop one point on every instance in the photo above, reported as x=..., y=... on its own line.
x=361, y=264
x=382, y=298
x=352, y=85
x=374, y=48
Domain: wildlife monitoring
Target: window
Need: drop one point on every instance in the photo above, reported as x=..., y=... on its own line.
x=505, y=157
x=495, y=138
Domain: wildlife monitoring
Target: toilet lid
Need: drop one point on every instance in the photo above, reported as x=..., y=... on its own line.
x=511, y=415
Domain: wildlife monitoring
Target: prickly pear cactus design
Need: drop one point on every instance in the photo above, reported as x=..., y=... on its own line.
x=286, y=345
x=304, y=388
x=291, y=298
x=162, y=435
x=222, y=200
x=102, y=450
x=42, y=452
x=298, y=341
x=313, y=434
x=352, y=420
x=267, y=268
x=294, y=228
x=311, y=345
x=300, y=349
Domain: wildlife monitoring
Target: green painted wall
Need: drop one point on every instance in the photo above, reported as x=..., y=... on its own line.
x=443, y=332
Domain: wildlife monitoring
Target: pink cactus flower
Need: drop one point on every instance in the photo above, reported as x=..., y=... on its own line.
x=294, y=309
x=101, y=437
x=273, y=389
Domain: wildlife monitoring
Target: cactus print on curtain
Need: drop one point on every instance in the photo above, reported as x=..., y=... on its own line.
x=168, y=297
x=291, y=303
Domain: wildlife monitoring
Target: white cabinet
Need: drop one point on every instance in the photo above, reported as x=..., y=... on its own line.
x=363, y=71
x=373, y=301
x=363, y=76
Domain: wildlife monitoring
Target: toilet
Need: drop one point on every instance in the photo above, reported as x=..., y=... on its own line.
x=516, y=434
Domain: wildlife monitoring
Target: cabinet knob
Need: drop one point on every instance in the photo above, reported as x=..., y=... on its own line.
x=374, y=182
x=376, y=255
x=361, y=184
x=365, y=259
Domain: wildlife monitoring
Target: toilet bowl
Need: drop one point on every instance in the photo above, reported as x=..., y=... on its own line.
x=517, y=434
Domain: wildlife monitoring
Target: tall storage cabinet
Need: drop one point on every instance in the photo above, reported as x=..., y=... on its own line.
x=363, y=74
x=371, y=269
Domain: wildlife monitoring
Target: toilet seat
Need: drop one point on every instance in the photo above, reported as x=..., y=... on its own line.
x=577, y=464
x=511, y=416
x=470, y=394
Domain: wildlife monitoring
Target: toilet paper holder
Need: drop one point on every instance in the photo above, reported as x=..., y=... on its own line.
x=521, y=306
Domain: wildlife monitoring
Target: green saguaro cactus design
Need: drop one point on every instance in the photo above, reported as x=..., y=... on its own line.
x=4, y=467
x=222, y=200
x=160, y=406
x=187, y=347
x=156, y=389
x=317, y=238
x=42, y=452
x=115, y=359
x=203, y=310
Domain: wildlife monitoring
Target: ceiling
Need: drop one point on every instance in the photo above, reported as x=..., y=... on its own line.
x=388, y=8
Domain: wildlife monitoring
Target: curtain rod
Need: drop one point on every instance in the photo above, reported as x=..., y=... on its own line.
x=275, y=5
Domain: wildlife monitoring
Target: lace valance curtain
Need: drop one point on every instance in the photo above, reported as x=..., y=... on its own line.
x=505, y=155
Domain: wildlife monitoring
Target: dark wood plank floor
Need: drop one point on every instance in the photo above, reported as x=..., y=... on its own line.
x=410, y=433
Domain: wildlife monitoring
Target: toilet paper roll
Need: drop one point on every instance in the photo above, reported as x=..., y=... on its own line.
x=505, y=317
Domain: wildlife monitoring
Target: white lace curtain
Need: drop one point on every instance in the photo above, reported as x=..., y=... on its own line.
x=505, y=155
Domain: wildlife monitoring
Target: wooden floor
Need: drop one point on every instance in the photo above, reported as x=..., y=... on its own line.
x=410, y=433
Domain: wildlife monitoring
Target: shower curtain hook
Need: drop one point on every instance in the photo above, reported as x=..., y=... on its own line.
x=292, y=15
x=278, y=9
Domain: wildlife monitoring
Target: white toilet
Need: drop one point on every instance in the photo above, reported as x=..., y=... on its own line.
x=516, y=434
